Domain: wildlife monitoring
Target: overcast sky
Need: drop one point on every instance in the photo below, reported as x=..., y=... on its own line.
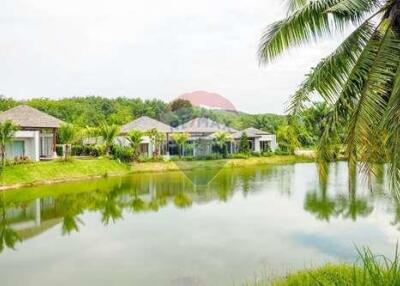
x=148, y=49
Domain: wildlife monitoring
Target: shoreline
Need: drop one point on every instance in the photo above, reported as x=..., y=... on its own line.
x=56, y=172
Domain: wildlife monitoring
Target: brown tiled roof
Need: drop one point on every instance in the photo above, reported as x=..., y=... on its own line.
x=26, y=116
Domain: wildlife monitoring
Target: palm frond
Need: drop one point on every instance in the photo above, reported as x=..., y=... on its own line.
x=306, y=24
x=329, y=76
x=355, y=9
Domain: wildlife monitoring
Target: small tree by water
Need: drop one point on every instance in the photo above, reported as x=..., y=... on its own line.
x=7, y=131
x=68, y=134
x=244, y=144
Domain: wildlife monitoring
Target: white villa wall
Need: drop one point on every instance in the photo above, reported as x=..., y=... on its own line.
x=31, y=142
x=272, y=139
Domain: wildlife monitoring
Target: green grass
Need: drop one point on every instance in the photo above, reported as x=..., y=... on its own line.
x=42, y=172
x=75, y=169
x=369, y=270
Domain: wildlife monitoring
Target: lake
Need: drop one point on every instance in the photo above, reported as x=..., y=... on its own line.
x=163, y=229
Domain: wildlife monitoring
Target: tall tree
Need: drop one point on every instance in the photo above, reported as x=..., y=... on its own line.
x=360, y=80
x=7, y=131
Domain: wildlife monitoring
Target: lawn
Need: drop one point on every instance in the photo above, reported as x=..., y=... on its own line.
x=44, y=172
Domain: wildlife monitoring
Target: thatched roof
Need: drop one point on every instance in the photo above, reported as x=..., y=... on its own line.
x=144, y=124
x=26, y=116
x=251, y=133
x=204, y=125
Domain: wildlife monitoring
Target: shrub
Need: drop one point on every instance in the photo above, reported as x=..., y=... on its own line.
x=87, y=150
x=122, y=153
x=239, y=156
x=255, y=154
x=59, y=151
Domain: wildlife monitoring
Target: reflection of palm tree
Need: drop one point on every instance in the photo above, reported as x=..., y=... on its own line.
x=183, y=200
x=354, y=207
x=70, y=223
x=320, y=204
x=8, y=237
x=112, y=208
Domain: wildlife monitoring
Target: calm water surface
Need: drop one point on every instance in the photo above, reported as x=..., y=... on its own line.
x=161, y=229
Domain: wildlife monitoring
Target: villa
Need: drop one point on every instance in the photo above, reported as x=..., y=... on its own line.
x=36, y=137
x=201, y=131
x=145, y=124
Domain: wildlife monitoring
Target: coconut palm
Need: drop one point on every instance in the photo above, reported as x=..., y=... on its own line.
x=360, y=80
x=108, y=133
x=7, y=131
x=221, y=138
x=181, y=139
x=68, y=134
x=157, y=138
x=135, y=138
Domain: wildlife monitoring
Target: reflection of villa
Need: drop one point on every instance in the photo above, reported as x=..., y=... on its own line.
x=36, y=137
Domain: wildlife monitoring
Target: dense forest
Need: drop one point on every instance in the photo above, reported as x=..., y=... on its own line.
x=303, y=131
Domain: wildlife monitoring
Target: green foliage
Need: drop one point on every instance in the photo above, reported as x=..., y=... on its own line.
x=360, y=80
x=178, y=104
x=135, y=138
x=221, y=139
x=7, y=131
x=287, y=137
x=122, y=153
x=181, y=139
x=370, y=270
x=108, y=133
x=87, y=150
x=157, y=138
x=244, y=144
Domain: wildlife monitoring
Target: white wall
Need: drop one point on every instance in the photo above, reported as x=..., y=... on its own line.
x=272, y=139
x=31, y=142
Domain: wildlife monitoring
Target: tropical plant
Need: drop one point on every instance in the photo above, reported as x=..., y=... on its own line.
x=68, y=134
x=287, y=137
x=108, y=133
x=220, y=139
x=135, y=138
x=181, y=139
x=7, y=131
x=157, y=138
x=244, y=144
x=360, y=80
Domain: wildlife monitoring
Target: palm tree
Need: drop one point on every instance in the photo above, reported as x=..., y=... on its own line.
x=7, y=131
x=181, y=139
x=135, y=138
x=108, y=133
x=157, y=138
x=220, y=139
x=68, y=134
x=360, y=80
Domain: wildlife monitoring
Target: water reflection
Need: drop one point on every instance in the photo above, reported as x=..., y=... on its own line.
x=67, y=208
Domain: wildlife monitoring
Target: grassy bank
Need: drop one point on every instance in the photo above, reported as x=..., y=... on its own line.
x=60, y=171
x=370, y=270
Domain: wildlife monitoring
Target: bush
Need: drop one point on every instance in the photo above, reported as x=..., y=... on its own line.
x=282, y=152
x=59, y=151
x=267, y=153
x=87, y=150
x=255, y=154
x=144, y=159
x=18, y=160
x=122, y=153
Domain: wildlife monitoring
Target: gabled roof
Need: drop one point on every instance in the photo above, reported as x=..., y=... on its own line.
x=203, y=125
x=26, y=116
x=250, y=132
x=144, y=124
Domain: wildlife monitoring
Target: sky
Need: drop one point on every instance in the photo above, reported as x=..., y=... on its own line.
x=149, y=49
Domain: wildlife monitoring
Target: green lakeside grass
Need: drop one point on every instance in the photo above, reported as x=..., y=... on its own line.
x=40, y=173
x=369, y=270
